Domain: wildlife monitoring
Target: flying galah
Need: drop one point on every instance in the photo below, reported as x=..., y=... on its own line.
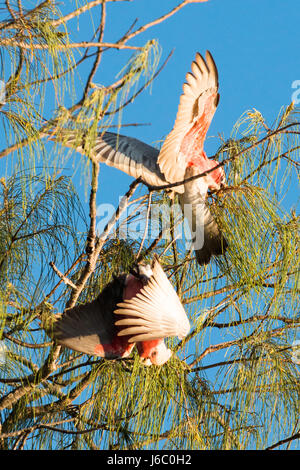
x=140, y=308
x=182, y=156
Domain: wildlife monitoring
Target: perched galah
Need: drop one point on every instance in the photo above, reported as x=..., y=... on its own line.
x=182, y=156
x=139, y=308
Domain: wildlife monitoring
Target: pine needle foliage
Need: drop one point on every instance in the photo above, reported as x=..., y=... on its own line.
x=233, y=383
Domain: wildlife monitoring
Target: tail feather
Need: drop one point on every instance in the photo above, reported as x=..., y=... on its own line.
x=207, y=238
x=214, y=242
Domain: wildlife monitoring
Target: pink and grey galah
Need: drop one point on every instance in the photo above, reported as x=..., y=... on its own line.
x=181, y=157
x=136, y=309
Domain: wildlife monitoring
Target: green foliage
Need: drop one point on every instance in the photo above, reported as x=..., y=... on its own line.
x=233, y=383
x=32, y=67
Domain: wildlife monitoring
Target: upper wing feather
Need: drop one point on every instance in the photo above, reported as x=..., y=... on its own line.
x=85, y=327
x=127, y=154
x=155, y=312
x=196, y=109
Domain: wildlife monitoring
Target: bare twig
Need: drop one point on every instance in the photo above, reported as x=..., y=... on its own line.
x=91, y=237
x=284, y=441
x=133, y=97
x=146, y=227
x=162, y=18
x=99, y=52
x=62, y=276
x=79, y=11
x=73, y=45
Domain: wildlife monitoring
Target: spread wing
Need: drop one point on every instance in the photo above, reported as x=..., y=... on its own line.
x=155, y=312
x=90, y=328
x=84, y=328
x=196, y=109
x=127, y=154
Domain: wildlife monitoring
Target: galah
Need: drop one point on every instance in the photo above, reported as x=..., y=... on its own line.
x=182, y=156
x=140, y=308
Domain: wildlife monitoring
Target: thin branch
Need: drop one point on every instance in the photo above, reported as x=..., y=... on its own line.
x=24, y=344
x=11, y=11
x=151, y=247
x=80, y=10
x=142, y=29
x=91, y=237
x=73, y=45
x=33, y=428
x=78, y=260
x=219, y=346
x=146, y=227
x=133, y=97
x=284, y=441
x=67, y=281
x=99, y=52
